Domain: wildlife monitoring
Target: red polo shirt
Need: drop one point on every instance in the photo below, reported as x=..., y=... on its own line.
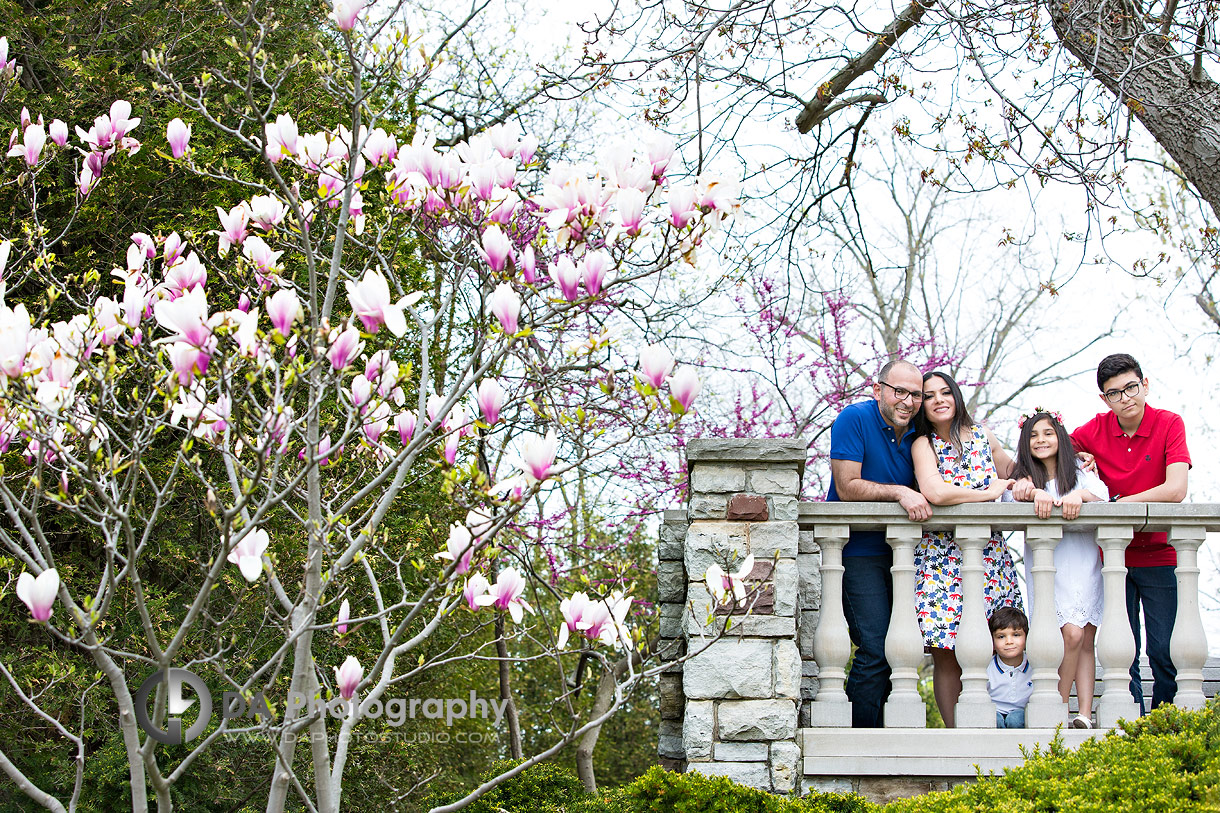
x=1129, y=465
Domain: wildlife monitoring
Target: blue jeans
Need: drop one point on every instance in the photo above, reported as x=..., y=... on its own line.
x=1011, y=719
x=1156, y=589
x=868, y=596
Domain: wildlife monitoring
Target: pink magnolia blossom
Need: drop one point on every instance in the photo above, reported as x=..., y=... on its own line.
x=284, y=308
x=567, y=277
x=682, y=206
x=282, y=138
x=8, y=67
x=266, y=211
x=188, y=360
x=323, y=455
x=660, y=153
x=233, y=227
x=348, y=676
x=31, y=149
x=505, y=594
x=247, y=554
x=14, y=339
x=529, y=265
x=344, y=347
x=721, y=584
x=459, y=548
x=59, y=132
x=655, y=363
x=380, y=147
x=187, y=316
x=404, y=422
x=345, y=13
x=377, y=421
x=451, y=447
x=572, y=609
x=593, y=270
x=477, y=585
x=685, y=386
x=529, y=146
x=497, y=248
x=173, y=248
x=345, y=615
x=631, y=209
x=506, y=306
x=178, y=134
x=370, y=300
x=538, y=456
x=39, y=593
x=184, y=275
x=491, y=399
x=266, y=261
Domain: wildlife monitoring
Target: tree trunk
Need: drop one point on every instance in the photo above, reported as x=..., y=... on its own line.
x=601, y=704
x=1144, y=71
x=506, y=693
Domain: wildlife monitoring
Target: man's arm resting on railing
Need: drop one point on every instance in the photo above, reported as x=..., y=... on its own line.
x=852, y=487
x=1172, y=490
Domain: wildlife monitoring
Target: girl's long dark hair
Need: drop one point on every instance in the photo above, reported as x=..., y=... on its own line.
x=961, y=416
x=1029, y=466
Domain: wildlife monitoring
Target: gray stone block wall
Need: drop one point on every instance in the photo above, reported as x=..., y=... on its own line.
x=733, y=707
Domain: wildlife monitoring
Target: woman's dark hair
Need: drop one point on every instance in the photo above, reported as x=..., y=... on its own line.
x=1029, y=466
x=961, y=416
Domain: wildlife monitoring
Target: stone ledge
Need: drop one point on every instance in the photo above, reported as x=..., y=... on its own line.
x=748, y=450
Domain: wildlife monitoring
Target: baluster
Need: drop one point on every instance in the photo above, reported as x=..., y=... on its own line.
x=975, y=708
x=831, y=642
x=1115, y=644
x=1188, y=646
x=904, y=641
x=1044, y=649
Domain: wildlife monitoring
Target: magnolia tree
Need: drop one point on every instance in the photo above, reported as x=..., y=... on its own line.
x=292, y=362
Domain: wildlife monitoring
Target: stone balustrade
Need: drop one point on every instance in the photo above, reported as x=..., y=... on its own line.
x=741, y=688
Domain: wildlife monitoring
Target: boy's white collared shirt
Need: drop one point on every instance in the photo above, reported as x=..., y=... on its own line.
x=1009, y=686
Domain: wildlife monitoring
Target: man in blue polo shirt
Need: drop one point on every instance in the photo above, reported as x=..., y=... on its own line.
x=870, y=461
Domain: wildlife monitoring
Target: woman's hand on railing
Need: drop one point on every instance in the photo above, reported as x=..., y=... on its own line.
x=996, y=488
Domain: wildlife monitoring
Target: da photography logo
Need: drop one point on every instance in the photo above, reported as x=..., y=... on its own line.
x=174, y=679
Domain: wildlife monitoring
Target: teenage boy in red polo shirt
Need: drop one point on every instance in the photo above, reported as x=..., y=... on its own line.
x=1141, y=457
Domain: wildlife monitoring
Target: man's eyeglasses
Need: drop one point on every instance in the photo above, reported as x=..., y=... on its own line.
x=1131, y=390
x=901, y=394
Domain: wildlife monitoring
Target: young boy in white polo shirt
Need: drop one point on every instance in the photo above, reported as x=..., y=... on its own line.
x=1009, y=679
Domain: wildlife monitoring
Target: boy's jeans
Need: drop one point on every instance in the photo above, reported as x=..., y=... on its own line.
x=1011, y=719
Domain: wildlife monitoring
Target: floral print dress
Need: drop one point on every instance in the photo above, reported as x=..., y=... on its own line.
x=938, y=559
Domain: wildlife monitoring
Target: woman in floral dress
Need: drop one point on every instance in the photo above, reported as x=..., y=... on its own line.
x=956, y=461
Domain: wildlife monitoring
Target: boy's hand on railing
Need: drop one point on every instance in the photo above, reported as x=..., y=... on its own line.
x=916, y=505
x=1070, y=504
x=1023, y=490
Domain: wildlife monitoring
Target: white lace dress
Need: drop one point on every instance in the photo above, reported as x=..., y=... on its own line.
x=1078, y=592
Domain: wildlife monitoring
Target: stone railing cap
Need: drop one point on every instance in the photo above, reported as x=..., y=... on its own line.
x=1010, y=516
x=748, y=450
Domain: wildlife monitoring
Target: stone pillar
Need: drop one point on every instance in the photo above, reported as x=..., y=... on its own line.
x=1188, y=646
x=1115, y=644
x=975, y=708
x=831, y=647
x=671, y=596
x=743, y=688
x=904, y=641
x=1046, y=708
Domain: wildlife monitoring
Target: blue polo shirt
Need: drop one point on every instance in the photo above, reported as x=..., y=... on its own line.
x=860, y=434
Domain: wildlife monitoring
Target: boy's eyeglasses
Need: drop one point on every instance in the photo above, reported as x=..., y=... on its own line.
x=1131, y=390
x=901, y=394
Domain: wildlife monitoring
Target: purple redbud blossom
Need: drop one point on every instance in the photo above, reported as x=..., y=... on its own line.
x=655, y=363
x=567, y=277
x=178, y=134
x=39, y=593
x=348, y=677
x=506, y=306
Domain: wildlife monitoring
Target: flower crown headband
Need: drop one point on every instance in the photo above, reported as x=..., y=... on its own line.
x=1039, y=411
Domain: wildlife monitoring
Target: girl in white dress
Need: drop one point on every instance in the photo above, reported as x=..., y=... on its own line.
x=1045, y=455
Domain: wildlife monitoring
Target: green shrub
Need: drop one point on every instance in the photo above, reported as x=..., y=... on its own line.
x=543, y=788
x=1166, y=762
